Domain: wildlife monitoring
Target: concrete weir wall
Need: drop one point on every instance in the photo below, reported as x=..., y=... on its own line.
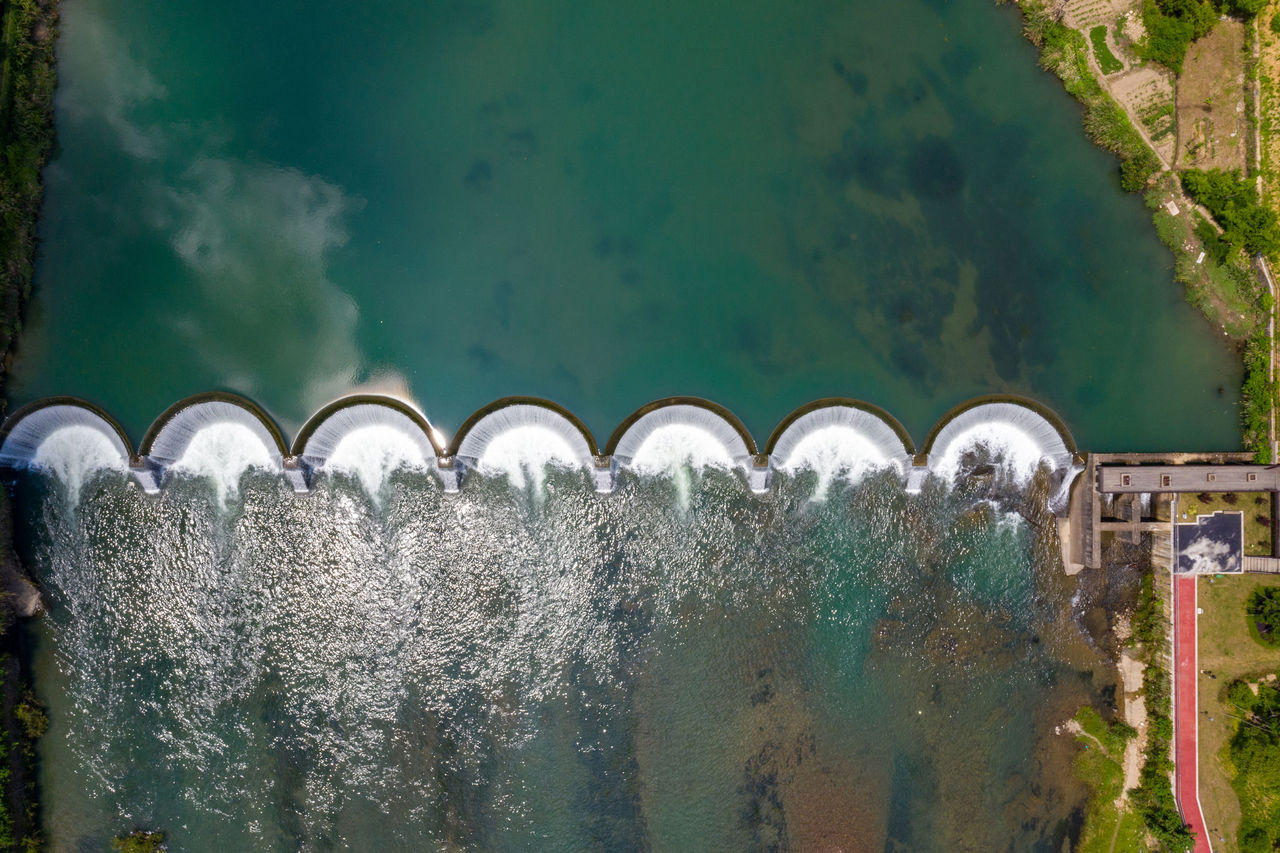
x=226, y=434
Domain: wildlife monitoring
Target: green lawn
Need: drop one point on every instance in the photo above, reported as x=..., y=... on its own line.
x=1107, y=828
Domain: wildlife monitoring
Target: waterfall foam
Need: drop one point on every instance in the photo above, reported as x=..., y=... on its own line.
x=520, y=440
x=224, y=452
x=368, y=439
x=1017, y=438
x=680, y=435
x=67, y=440
x=840, y=441
x=527, y=449
x=74, y=454
x=371, y=453
x=214, y=438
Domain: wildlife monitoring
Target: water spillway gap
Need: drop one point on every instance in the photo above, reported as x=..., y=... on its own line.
x=367, y=439
x=840, y=441
x=1015, y=438
x=520, y=440
x=219, y=438
x=67, y=439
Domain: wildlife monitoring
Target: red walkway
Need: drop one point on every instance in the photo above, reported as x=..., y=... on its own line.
x=1185, y=667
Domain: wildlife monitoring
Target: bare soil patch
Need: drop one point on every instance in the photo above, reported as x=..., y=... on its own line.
x=1083, y=14
x=1212, y=123
x=1147, y=94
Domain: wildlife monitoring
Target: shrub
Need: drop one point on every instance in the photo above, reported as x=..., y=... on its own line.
x=1243, y=8
x=1264, y=608
x=31, y=717
x=1257, y=397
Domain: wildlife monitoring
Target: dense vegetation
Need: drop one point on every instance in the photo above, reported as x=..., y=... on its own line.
x=1264, y=610
x=1233, y=201
x=1257, y=397
x=1255, y=755
x=1154, y=794
x=1172, y=25
x=1064, y=51
x=28, y=30
x=26, y=130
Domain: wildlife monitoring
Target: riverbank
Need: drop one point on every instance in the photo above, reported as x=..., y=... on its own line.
x=1138, y=110
x=27, y=79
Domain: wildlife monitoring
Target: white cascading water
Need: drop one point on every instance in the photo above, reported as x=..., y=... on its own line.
x=371, y=453
x=839, y=441
x=521, y=440
x=368, y=441
x=677, y=446
x=223, y=453
x=673, y=437
x=522, y=455
x=1017, y=438
x=68, y=441
x=677, y=442
x=215, y=439
x=75, y=454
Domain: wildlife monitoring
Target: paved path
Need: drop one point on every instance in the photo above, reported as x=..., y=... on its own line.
x=1185, y=667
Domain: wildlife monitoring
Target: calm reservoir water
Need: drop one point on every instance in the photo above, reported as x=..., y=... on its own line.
x=757, y=203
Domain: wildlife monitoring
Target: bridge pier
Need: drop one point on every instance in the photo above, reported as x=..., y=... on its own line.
x=451, y=470
x=147, y=473
x=298, y=473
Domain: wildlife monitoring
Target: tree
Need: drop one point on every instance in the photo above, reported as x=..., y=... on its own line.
x=1233, y=203
x=1244, y=8
x=1264, y=608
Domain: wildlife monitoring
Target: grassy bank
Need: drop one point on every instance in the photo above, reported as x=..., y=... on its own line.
x=28, y=30
x=1065, y=52
x=1230, y=652
x=1110, y=822
x=1212, y=260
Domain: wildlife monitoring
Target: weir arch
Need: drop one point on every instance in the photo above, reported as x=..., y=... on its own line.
x=841, y=435
x=215, y=433
x=67, y=437
x=352, y=433
x=515, y=434
x=1026, y=434
x=687, y=430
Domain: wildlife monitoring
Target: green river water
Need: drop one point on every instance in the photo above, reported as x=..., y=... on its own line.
x=601, y=204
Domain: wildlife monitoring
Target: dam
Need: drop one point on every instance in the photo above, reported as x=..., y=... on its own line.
x=220, y=436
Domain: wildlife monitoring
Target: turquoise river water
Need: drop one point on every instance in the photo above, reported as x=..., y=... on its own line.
x=457, y=200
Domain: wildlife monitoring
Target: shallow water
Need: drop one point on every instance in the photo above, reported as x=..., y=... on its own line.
x=510, y=668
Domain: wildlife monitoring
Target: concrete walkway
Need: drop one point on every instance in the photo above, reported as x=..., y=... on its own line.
x=1186, y=786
